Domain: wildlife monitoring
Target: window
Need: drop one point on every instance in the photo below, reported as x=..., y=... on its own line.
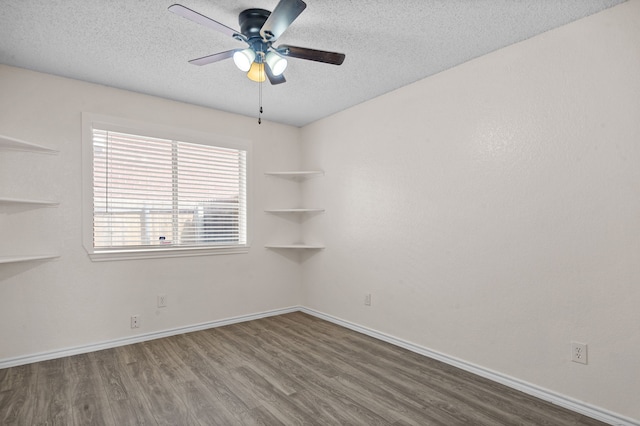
x=156, y=196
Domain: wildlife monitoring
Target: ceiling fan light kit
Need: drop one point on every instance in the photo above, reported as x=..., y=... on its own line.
x=276, y=62
x=256, y=72
x=244, y=58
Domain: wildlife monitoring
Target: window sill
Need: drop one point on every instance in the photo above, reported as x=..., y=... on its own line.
x=106, y=256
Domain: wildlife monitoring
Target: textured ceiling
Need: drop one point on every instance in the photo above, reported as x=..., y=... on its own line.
x=138, y=45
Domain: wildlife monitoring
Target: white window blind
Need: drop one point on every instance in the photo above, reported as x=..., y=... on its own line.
x=151, y=193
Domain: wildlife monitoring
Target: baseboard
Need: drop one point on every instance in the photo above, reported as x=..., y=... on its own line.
x=44, y=356
x=528, y=388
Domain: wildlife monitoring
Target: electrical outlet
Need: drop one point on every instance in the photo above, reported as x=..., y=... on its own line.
x=367, y=299
x=579, y=352
x=135, y=321
x=162, y=300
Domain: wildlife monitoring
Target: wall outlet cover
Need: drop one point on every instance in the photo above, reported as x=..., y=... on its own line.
x=162, y=300
x=135, y=321
x=579, y=352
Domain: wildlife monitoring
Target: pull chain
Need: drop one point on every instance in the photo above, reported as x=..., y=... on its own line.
x=260, y=93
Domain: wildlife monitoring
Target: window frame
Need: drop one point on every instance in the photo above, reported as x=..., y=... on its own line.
x=116, y=124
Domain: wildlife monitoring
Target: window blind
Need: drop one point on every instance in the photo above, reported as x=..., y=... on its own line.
x=151, y=193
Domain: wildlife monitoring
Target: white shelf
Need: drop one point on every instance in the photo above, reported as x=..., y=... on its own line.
x=300, y=174
x=16, y=259
x=296, y=175
x=14, y=144
x=294, y=210
x=5, y=200
x=295, y=246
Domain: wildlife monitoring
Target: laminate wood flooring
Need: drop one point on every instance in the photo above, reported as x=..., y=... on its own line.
x=291, y=369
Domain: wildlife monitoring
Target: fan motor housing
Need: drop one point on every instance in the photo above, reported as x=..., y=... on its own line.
x=251, y=21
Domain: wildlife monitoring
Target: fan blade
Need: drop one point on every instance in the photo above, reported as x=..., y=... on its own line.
x=274, y=79
x=213, y=58
x=282, y=16
x=194, y=16
x=311, y=54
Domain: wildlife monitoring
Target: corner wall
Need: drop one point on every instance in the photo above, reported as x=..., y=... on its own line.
x=493, y=211
x=71, y=302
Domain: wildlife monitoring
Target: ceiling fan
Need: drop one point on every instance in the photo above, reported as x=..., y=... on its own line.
x=260, y=28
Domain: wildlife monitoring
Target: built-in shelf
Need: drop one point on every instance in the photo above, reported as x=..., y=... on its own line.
x=294, y=210
x=14, y=144
x=44, y=203
x=295, y=246
x=300, y=174
x=16, y=259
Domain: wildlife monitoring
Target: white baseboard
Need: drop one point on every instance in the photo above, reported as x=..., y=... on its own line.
x=44, y=356
x=528, y=388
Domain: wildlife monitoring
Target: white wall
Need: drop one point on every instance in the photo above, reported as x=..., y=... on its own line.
x=72, y=301
x=493, y=211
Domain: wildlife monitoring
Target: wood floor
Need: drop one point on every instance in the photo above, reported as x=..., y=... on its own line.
x=290, y=369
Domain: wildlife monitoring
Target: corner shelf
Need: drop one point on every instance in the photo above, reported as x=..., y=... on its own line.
x=43, y=203
x=14, y=144
x=17, y=259
x=295, y=246
x=8, y=143
x=294, y=210
x=298, y=175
